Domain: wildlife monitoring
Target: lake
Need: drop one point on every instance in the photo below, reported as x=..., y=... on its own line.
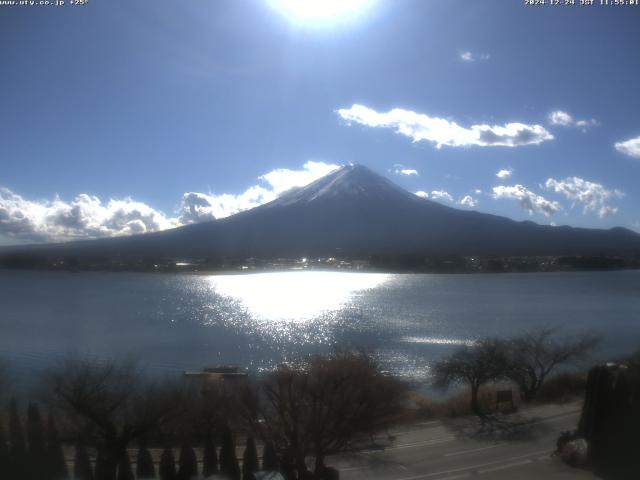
x=173, y=322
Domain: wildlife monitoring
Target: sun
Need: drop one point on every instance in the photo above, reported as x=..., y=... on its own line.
x=320, y=11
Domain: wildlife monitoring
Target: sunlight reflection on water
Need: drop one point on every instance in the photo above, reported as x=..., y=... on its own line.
x=438, y=341
x=294, y=296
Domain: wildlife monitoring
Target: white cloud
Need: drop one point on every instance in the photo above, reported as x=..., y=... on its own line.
x=528, y=200
x=422, y=194
x=505, y=173
x=629, y=147
x=283, y=179
x=477, y=191
x=86, y=216
x=564, y=119
x=197, y=207
x=468, y=201
x=405, y=171
x=560, y=118
x=441, y=195
x=469, y=56
x=605, y=211
x=440, y=131
x=594, y=197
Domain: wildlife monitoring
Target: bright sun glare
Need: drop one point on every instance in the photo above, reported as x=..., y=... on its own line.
x=320, y=10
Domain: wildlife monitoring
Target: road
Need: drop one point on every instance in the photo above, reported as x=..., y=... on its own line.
x=519, y=447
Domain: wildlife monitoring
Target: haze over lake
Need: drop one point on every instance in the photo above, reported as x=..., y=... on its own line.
x=171, y=323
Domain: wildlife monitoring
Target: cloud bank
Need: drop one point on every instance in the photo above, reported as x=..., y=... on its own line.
x=421, y=127
x=198, y=207
x=88, y=217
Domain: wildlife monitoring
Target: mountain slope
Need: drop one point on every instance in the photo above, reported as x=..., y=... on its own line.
x=355, y=212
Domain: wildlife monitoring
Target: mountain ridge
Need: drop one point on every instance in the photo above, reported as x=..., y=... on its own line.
x=354, y=212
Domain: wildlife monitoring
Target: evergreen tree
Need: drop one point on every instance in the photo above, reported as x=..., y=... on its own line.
x=125, y=472
x=101, y=471
x=145, y=468
x=56, y=465
x=228, y=460
x=250, y=463
x=4, y=451
x=167, y=465
x=82, y=465
x=188, y=463
x=17, y=448
x=210, y=458
x=287, y=467
x=270, y=462
x=36, y=441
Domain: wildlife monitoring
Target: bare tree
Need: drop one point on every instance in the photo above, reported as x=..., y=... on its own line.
x=475, y=365
x=535, y=354
x=323, y=405
x=112, y=404
x=4, y=379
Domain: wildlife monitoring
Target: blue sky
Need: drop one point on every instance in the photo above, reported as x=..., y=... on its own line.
x=121, y=117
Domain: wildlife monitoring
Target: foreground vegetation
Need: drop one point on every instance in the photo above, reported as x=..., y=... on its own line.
x=310, y=410
x=111, y=414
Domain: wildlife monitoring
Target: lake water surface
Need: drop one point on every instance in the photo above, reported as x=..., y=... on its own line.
x=171, y=323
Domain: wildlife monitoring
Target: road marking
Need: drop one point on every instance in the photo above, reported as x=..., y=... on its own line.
x=455, y=477
x=364, y=467
x=504, y=467
x=473, y=450
x=432, y=422
x=556, y=418
x=474, y=467
x=425, y=443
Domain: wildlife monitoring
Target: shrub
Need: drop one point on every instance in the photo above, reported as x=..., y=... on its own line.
x=564, y=387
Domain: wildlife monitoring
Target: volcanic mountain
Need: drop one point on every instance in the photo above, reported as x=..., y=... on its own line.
x=355, y=212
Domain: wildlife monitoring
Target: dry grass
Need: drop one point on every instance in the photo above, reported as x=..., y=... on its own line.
x=458, y=405
x=561, y=388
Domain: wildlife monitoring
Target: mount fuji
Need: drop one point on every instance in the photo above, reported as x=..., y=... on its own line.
x=353, y=212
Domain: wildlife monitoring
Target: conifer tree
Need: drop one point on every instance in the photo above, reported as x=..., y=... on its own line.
x=56, y=465
x=167, y=465
x=188, y=462
x=17, y=448
x=82, y=465
x=145, y=468
x=250, y=463
x=36, y=441
x=125, y=472
x=101, y=471
x=210, y=458
x=4, y=451
x=228, y=460
x=270, y=461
